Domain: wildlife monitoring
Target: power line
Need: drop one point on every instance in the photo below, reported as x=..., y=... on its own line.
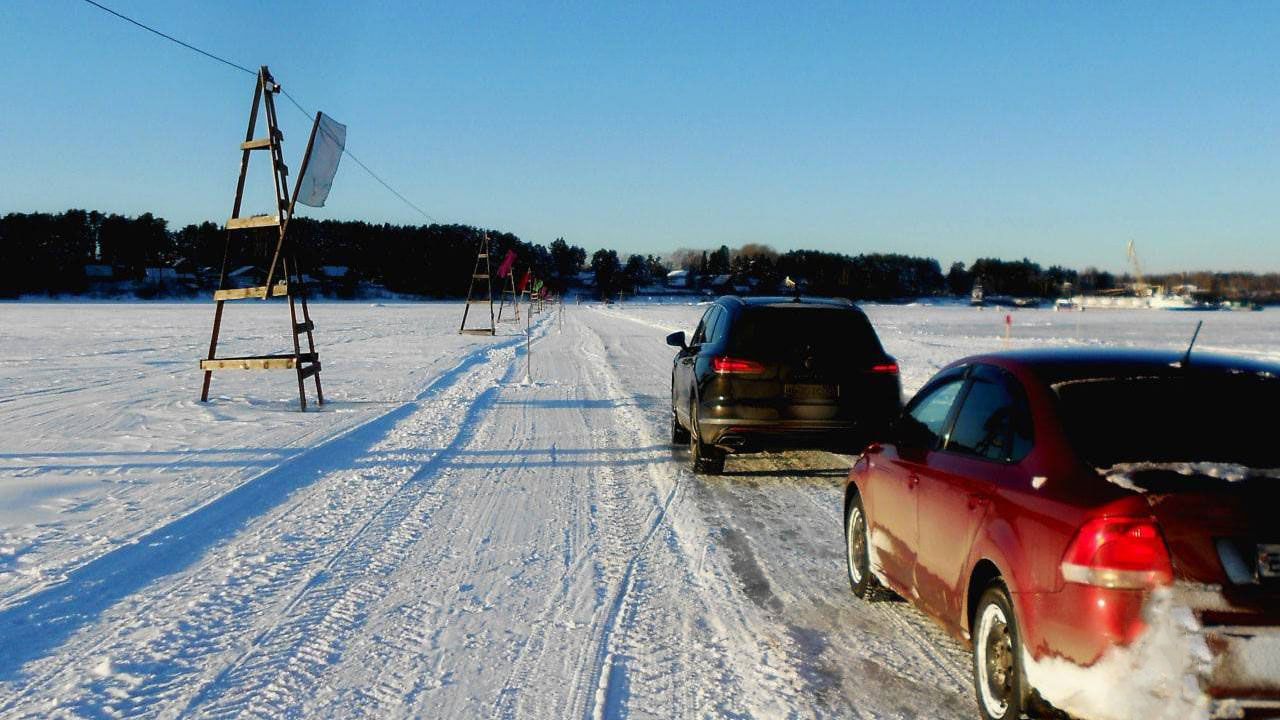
x=171, y=38
x=357, y=161
x=296, y=104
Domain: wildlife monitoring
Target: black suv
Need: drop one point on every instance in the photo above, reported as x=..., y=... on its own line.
x=761, y=372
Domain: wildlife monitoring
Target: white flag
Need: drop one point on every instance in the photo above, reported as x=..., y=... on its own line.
x=326, y=151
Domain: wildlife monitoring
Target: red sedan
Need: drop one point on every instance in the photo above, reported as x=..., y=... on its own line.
x=1102, y=526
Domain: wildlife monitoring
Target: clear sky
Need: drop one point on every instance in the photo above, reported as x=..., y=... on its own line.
x=1057, y=131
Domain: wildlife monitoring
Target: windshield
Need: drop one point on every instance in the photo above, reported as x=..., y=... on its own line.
x=1197, y=417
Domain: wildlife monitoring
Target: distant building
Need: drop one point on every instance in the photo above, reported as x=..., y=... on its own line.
x=679, y=279
x=722, y=282
x=242, y=276
x=160, y=276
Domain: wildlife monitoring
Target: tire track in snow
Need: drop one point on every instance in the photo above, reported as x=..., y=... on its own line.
x=604, y=704
x=273, y=678
x=276, y=675
x=608, y=678
x=686, y=634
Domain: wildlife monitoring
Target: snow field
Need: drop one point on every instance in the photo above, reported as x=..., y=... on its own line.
x=442, y=540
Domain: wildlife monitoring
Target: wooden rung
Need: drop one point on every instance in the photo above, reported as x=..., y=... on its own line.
x=261, y=362
x=302, y=327
x=481, y=301
x=309, y=370
x=483, y=255
x=259, y=144
x=251, y=292
x=479, y=277
x=478, y=331
x=253, y=221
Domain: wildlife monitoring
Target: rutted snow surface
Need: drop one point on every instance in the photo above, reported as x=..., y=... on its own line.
x=440, y=540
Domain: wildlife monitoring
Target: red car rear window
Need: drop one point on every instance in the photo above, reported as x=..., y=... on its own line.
x=1186, y=417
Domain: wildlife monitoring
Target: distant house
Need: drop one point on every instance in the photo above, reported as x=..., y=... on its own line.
x=160, y=276
x=586, y=278
x=188, y=274
x=337, y=280
x=101, y=279
x=242, y=276
x=721, y=283
x=679, y=279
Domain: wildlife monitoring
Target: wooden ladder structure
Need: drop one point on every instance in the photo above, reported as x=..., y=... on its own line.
x=284, y=279
x=514, y=302
x=485, y=297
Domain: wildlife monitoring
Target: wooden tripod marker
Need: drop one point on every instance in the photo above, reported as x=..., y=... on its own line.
x=288, y=282
x=482, y=260
x=515, y=299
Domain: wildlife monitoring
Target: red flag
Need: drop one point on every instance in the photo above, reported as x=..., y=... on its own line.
x=505, y=268
x=524, y=280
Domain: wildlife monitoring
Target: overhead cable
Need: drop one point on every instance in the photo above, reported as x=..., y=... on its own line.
x=296, y=104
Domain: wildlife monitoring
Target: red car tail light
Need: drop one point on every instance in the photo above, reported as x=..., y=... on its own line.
x=1118, y=552
x=885, y=368
x=726, y=365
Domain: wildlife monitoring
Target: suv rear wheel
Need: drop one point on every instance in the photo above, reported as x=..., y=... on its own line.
x=679, y=436
x=703, y=458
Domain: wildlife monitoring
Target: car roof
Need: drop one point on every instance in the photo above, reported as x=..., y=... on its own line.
x=787, y=301
x=1054, y=366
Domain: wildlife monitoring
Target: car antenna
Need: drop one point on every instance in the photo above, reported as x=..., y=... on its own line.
x=1186, y=357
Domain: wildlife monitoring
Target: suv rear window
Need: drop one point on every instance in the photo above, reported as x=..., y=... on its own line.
x=778, y=331
x=1196, y=417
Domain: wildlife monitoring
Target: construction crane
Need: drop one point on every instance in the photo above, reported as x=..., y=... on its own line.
x=1139, y=283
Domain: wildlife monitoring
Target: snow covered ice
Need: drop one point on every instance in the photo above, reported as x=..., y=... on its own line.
x=440, y=540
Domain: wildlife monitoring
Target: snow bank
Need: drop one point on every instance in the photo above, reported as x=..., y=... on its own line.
x=1158, y=677
x=1122, y=474
x=1255, y=659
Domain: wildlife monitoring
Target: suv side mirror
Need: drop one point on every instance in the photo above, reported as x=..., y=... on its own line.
x=676, y=339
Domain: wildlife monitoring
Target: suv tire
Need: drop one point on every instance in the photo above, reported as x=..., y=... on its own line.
x=704, y=459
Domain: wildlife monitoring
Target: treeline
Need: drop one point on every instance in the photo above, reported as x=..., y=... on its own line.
x=74, y=251
x=80, y=251
x=867, y=276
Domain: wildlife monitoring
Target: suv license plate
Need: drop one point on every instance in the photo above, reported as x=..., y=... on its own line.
x=1269, y=561
x=810, y=392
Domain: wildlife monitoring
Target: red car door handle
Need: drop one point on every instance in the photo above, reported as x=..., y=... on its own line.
x=912, y=481
x=977, y=500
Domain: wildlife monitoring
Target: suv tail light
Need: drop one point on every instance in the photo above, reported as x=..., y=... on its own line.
x=889, y=368
x=726, y=365
x=1118, y=552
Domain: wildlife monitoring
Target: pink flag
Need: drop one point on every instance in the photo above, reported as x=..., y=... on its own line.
x=524, y=280
x=505, y=268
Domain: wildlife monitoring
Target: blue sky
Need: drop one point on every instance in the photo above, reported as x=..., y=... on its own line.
x=1054, y=131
